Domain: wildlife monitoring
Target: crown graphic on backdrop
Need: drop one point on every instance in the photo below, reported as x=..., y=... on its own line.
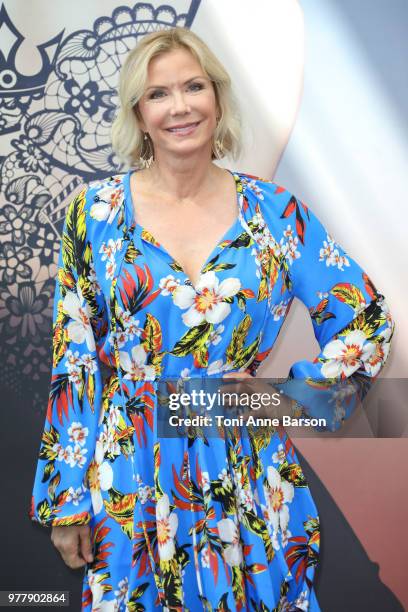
x=17, y=90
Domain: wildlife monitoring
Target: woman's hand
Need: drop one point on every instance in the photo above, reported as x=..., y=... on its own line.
x=74, y=544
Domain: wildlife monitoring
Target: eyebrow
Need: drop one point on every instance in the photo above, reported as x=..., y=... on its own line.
x=185, y=82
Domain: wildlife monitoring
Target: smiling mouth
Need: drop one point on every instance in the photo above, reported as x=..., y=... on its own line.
x=186, y=128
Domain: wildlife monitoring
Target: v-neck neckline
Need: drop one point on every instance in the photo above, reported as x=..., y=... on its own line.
x=135, y=225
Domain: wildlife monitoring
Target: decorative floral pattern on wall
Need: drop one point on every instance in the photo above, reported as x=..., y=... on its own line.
x=55, y=135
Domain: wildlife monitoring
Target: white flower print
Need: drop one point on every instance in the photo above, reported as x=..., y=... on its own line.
x=229, y=533
x=244, y=498
x=279, y=456
x=215, y=336
x=98, y=603
x=346, y=389
x=257, y=255
x=136, y=367
x=79, y=329
x=225, y=477
x=59, y=450
x=73, y=365
x=90, y=363
x=168, y=284
x=346, y=356
x=120, y=337
x=74, y=456
x=288, y=233
x=289, y=247
x=219, y=366
x=65, y=454
x=167, y=523
x=131, y=329
x=108, y=204
x=339, y=260
x=206, y=302
x=145, y=493
x=279, y=310
x=78, y=456
x=302, y=602
x=379, y=356
x=290, y=251
x=100, y=476
x=75, y=495
x=96, y=288
x=205, y=481
x=113, y=416
x=279, y=493
x=73, y=361
x=109, y=441
x=258, y=220
x=109, y=249
x=331, y=255
x=251, y=183
x=122, y=590
x=108, y=254
x=77, y=433
x=205, y=557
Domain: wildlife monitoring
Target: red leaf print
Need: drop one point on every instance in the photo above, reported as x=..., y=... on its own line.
x=301, y=569
x=300, y=226
x=198, y=471
x=214, y=564
x=369, y=287
x=290, y=207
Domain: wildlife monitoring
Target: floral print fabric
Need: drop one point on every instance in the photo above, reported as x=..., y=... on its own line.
x=183, y=523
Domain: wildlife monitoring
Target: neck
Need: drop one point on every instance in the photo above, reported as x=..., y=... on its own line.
x=184, y=180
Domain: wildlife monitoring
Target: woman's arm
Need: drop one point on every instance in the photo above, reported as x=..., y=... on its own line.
x=61, y=494
x=350, y=318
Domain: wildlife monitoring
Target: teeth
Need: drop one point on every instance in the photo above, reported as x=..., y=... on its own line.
x=183, y=129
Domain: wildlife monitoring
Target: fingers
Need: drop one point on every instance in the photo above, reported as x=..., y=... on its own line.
x=86, y=546
x=74, y=544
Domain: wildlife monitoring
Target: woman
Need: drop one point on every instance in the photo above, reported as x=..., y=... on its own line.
x=183, y=269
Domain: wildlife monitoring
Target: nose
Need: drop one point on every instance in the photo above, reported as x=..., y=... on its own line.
x=179, y=103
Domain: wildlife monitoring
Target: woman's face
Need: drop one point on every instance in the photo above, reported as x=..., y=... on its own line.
x=178, y=93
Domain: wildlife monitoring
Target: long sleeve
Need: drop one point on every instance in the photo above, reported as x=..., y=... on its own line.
x=61, y=494
x=350, y=318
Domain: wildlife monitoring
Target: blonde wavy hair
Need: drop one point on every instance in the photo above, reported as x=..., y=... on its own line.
x=126, y=136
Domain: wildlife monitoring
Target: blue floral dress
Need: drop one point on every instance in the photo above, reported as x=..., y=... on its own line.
x=186, y=523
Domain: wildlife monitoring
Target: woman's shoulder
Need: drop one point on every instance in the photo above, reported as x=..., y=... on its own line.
x=109, y=182
x=98, y=203
x=266, y=191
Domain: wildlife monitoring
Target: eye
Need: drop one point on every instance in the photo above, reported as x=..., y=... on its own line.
x=156, y=94
x=196, y=86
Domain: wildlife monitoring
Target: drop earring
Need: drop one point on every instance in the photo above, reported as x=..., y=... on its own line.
x=146, y=162
x=218, y=147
